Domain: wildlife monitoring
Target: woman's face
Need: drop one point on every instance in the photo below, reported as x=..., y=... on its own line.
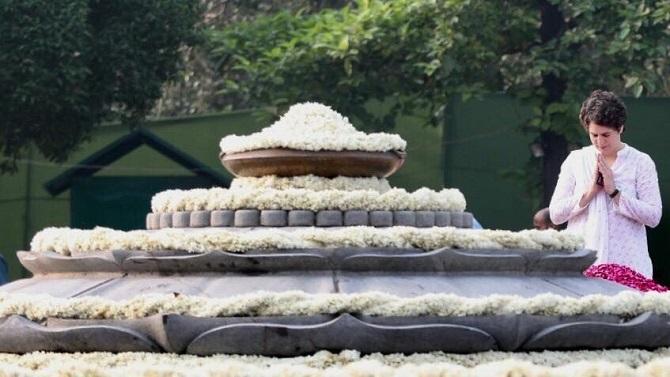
x=606, y=140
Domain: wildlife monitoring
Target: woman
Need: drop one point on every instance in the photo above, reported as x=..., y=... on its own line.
x=609, y=191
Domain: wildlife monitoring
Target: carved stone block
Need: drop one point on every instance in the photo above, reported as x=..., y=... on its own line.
x=247, y=217
x=274, y=217
x=442, y=218
x=425, y=219
x=181, y=219
x=222, y=218
x=200, y=219
x=329, y=218
x=381, y=218
x=355, y=217
x=404, y=218
x=301, y=218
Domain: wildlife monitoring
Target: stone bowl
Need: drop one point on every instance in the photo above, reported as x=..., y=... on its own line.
x=291, y=162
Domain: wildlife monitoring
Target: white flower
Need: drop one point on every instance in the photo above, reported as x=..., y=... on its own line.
x=307, y=199
x=347, y=363
x=67, y=241
x=310, y=182
x=313, y=127
x=40, y=307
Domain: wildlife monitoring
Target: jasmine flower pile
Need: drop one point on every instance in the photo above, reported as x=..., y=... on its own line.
x=344, y=364
x=313, y=127
x=307, y=199
x=298, y=303
x=68, y=241
x=311, y=182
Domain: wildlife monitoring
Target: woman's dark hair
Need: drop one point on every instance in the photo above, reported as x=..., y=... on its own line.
x=603, y=108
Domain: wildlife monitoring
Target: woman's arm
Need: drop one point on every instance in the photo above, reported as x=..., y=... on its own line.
x=565, y=202
x=646, y=208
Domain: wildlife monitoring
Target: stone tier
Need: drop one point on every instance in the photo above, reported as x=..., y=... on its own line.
x=382, y=260
x=122, y=274
x=303, y=335
x=244, y=218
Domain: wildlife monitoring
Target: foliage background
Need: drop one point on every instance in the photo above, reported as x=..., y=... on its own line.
x=68, y=65
x=415, y=55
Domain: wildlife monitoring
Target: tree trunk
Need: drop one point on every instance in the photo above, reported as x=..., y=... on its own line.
x=555, y=150
x=555, y=145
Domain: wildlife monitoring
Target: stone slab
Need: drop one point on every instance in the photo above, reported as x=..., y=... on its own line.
x=153, y=221
x=220, y=261
x=425, y=219
x=50, y=263
x=247, y=218
x=468, y=220
x=181, y=219
x=287, y=340
x=19, y=335
x=62, y=286
x=442, y=218
x=301, y=218
x=183, y=330
x=274, y=218
x=298, y=335
x=456, y=219
x=200, y=219
x=165, y=220
x=222, y=218
x=347, y=259
x=406, y=284
x=356, y=218
x=404, y=218
x=328, y=218
x=581, y=286
x=214, y=284
x=648, y=329
x=381, y=218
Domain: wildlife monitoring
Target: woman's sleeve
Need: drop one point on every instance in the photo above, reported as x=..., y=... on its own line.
x=646, y=208
x=564, y=203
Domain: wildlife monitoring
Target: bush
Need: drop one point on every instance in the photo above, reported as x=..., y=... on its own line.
x=67, y=65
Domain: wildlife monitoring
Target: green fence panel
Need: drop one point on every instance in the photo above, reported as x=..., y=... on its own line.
x=121, y=202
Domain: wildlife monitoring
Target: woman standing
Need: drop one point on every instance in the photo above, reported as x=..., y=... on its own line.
x=609, y=191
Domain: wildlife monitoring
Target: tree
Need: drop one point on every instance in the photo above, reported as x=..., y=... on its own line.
x=621, y=46
x=419, y=53
x=196, y=88
x=416, y=53
x=67, y=65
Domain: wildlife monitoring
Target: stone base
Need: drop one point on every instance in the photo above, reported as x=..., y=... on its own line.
x=123, y=274
x=294, y=336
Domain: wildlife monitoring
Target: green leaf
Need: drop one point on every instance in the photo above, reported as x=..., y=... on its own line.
x=344, y=43
x=348, y=69
x=624, y=32
x=631, y=80
x=555, y=107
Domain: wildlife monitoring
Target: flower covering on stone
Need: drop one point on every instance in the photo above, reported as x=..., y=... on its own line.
x=68, y=241
x=311, y=182
x=38, y=307
x=624, y=275
x=218, y=198
x=312, y=126
x=347, y=363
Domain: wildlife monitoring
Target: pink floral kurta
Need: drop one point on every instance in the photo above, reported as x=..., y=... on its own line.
x=617, y=232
